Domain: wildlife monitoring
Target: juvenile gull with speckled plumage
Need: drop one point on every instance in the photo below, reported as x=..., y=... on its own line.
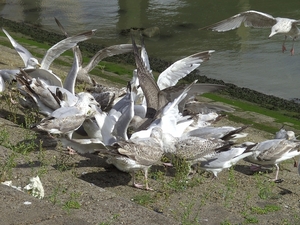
x=272, y=152
x=129, y=156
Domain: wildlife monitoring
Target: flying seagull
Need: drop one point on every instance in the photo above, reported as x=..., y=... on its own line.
x=256, y=19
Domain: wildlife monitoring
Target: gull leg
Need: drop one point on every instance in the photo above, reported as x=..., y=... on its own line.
x=214, y=177
x=283, y=44
x=191, y=173
x=168, y=164
x=146, y=180
x=292, y=49
x=277, y=172
x=295, y=162
x=276, y=180
x=11, y=99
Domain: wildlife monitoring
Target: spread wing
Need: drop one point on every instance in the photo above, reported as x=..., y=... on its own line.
x=249, y=18
x=23, y=52
x=181, y=68
x=107, y=52
x=147, y=83
x=60, y=47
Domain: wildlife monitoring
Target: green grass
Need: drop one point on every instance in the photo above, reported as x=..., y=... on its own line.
x=279, y=116
x=116, y=68
x=143, y=199
x=265, y=210
x=72, y=203
x=113, y=79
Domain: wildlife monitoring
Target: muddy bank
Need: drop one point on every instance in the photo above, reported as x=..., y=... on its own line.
x=89, y=49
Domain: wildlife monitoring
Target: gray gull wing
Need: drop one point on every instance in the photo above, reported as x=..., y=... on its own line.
x=23, y=52
x=60, y=47
x=107, y=52
x=250, y=18
x=70, y=80
x=46, y=75
x=61, y=27
x=148, y=85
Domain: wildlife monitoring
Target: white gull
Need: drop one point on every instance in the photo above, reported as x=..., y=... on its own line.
x=66, y=120
x=219, y=160
x=256, y=19
x=272, y=152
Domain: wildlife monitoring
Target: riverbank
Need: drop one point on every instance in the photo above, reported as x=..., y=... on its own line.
x=89, y=190
x=89, y=49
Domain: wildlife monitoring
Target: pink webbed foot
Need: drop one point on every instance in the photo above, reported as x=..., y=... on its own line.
x=141, y=186
x=292, y=51
x=71, y=151
x=168, y=164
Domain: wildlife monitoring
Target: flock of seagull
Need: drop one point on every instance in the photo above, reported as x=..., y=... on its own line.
x=136, y=126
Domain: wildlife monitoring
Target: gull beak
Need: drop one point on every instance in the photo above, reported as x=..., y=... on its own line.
x=38, y=64
x=272, y=34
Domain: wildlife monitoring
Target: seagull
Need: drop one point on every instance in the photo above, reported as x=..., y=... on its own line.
x=66, y=120
x=114, y=124
x=106, y=96
x=288, y=135
x=156, y=98
x=225, y=132
x=130, y=156
x=168, y=78
x=108, y=128
x=41, y=96
x=170, y=120
x=35, y=94
x=284, y=134
x=219, y=160
x=272, y=152
x=52, y=53
x=192, y=149
x=256, y=19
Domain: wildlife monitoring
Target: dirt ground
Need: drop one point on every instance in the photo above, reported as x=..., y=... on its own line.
x=76, y=183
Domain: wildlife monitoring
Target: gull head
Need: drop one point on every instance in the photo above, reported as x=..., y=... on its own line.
x=85, y=98
x=283, y=26
x=92, y=110
x=274, y=31
x=291, y=135
x=32, y=63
